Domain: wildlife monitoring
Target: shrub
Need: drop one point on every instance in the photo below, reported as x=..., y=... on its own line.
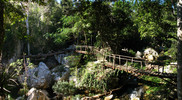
x=64, y=87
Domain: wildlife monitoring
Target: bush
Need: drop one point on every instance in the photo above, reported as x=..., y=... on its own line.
x=64, y=87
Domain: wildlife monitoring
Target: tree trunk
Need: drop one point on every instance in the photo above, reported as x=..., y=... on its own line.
x=179, y=55
x=1, y=29
x=27, y=25
x=28, y=32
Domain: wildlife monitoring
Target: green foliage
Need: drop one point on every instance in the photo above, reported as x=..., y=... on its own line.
x=158, y=89
x=18, y=66
x=7, y=80
x=156, y=25
x=73, y=60
x=64, y=87
x=94, y=78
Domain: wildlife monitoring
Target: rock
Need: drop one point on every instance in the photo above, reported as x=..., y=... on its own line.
x=138, y=54
x=60, y=73
x=61, y=58
x=137, y=93
x=108, y=97
x=71, y=47
x=72, y=60
x=39, y=77
x=135, y=98
x=116, y=99
x=86, y=98
x=150, y=58
x=51, y=62
x=150, y=54
x=167, y=69
x=34, y=94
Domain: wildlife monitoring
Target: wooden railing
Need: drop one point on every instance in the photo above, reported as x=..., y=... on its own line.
x=112, y=57
x=115, y=57
x=84, y=49
x=116, y=60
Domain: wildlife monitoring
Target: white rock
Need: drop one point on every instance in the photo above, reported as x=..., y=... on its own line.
x=39, y=77
x=138, y=54
x=150, y=54
x=108, y=97
x=34, y=94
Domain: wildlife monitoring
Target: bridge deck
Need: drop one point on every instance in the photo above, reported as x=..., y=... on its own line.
x=112, y=58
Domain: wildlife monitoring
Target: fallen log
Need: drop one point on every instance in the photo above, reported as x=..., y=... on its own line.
x=48, y=54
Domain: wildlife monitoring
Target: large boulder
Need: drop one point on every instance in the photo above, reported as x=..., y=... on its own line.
x=150, y=54
x=34, y=94
x=39, y=77
x=138, y=54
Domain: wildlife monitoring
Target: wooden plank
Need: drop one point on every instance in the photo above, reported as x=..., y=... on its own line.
x=127, y=58
x=138, y=71
x=119, y=61
x=114, y=61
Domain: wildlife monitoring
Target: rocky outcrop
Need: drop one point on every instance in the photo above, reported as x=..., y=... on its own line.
x=42, y=77
x=39, y=77
x=150, y=54
x=138, y=54
x=34, y=94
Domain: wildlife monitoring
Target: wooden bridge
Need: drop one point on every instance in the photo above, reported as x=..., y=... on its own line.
x=116, y=61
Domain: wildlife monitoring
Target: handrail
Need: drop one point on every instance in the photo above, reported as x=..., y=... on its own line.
x=114, y=57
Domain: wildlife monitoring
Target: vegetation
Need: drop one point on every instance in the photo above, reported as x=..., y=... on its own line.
x=122, y=27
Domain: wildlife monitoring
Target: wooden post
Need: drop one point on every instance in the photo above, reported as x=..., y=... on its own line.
x=126, y=62
x=127, y=65
x=103, y=55
x=119, y=60
x=132, y=60
x=114, y=56
x=162, y=69
x=141, y=65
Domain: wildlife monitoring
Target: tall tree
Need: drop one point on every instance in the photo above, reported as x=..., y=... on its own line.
x=179, y=60
x=26, y=12
x=3, y=5
x=1, y=29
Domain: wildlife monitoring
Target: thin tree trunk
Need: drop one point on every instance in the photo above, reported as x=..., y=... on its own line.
x=28, y=33
x=27, y=25
x=1, y=43
x=1, y=29
x=179, y=60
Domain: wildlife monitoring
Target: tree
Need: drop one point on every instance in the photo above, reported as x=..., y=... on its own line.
x=179, y=60
x=156, y=23
x=1, y=29
x=4, y=5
